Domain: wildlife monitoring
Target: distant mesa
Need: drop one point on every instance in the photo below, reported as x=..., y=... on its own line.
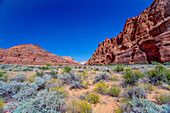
x=29, y=54
x=145, y=38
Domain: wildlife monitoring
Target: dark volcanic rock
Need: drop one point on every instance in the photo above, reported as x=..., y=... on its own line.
x=145, y=38
x=29, y=54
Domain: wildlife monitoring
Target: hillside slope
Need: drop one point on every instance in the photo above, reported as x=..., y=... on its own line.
x=29, y=54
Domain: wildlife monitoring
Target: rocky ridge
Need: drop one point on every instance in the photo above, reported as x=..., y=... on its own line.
x=29, y=54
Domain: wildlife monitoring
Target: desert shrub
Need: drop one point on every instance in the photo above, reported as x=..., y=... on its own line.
x=3, y=77
x=79, y=67
x=44, y=68
x=26, y=92
x=40, y=74
x=31, y=79
x=76, y=85
x=134, y=92
x=2, y=73
x=68, y=78
x=155, y=63
x=114, y=91
x=165, y=86
x=71, y=78
x=101, y=88
x=147, y=87
x=79, y=107
x=27, y=69
x=52, y=73
x=140, y=105
x=130, y=77
x=114, y=78
x=8, y=89
x=86, y=84
x=67, y=69
x=19, y=78
x=96, y=69
x=1, y=105
x=40, y=82
x=163, y=99
x=81, y=71
x=159, y=74
x=48, y=64
x=166, y=63
x=107, y=70
x=119, y=68
x=61, y=90
x=44, y=102
x=102, y=76
x=93, y=98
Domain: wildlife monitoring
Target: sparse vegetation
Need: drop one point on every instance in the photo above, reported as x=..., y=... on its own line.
x=23, y=91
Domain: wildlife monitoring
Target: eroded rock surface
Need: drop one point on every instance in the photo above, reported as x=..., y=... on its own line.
x=145, y=38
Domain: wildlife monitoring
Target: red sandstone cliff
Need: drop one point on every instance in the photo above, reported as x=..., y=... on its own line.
x=144, y=38
x=29, y=54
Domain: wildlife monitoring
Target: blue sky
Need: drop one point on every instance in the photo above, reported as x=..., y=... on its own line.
x=65, y=27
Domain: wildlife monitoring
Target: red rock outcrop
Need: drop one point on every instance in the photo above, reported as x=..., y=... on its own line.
x=145, y=38
x=68, y=58
x=29, y=54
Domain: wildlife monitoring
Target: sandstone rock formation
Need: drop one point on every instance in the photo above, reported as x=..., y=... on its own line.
x=29, y=54
x=145, y=38
x=68, y=58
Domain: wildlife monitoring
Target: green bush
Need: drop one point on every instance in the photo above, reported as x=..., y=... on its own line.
x=67, y=69
x=163, y=99
x=2, y=73
x=3, y=77
x=1, y=105
x=119, y=68
x=115, y=91
x=92, y=98
x=166, y=63
x=79, y=107
x=155, y=63
x=40, y=74
x=130, y=77
x=44, y=68
x=101, y=88
x=27, y=69
x=48, y=64
x=159, y=74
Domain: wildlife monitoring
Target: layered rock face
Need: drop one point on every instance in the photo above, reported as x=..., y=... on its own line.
x=29, y=54
x=145, y=38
